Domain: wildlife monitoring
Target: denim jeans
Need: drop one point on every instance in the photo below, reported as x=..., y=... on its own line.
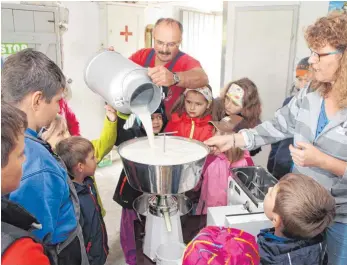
x=337, y=244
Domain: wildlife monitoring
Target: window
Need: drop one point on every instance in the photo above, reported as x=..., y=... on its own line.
x=202, y=39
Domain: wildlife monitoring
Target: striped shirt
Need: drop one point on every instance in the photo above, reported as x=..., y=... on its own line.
x=299, y=120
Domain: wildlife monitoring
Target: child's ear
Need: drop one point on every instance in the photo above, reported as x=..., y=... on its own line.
x=79, y=168
x=276, y=220
x=36, y=99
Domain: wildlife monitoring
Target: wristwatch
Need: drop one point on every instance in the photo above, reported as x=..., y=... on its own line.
x=176, y=79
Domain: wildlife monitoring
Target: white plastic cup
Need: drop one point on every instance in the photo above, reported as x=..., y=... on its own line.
x=170, y=253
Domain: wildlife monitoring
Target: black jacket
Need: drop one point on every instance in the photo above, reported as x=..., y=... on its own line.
x=124, y=194
x=280, y=161
x=92, y=223
x=290, y=251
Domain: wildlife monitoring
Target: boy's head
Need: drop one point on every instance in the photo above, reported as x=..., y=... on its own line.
x=56, y=132
x=302, y=73
x=78, y=155
x=299, y=207
x=13, y=125
x=33, y=83
x=159, y=119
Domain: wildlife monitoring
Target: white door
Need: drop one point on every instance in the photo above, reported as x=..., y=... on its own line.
x=25, y=26
x=126, y=28
x=262, y=48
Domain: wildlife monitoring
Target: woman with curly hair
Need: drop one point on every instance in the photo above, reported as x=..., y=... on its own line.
x=317, y=120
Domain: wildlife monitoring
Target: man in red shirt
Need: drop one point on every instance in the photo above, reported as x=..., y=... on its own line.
x=168, y=66
x=18, y=246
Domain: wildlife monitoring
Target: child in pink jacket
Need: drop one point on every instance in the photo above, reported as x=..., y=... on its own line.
x=216, y=172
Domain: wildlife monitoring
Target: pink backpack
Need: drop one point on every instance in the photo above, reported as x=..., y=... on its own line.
x=222, y=246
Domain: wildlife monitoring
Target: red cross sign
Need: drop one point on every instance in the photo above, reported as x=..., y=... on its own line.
x=126, y=33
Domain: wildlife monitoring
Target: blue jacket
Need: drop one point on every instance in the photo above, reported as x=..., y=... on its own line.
x=44, y=192
x=92, y=223
x=285, y=251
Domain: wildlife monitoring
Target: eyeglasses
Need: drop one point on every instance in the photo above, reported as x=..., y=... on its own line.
x=170, y=45
x=319, y=55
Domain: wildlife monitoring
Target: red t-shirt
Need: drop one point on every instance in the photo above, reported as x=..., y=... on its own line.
x=24, y=252
x=184, y=63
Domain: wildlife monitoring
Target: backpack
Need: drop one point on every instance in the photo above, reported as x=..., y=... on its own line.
x=17, y=223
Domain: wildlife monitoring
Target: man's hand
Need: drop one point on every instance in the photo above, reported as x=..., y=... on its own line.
x=220, y=143
x=111, y=113
x=306, y=155
x=161, y=76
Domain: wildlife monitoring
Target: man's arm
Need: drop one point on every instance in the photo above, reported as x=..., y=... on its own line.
x=193, y=78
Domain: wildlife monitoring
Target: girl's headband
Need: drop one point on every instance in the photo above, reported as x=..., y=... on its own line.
x=236, y=94
x=205, y=91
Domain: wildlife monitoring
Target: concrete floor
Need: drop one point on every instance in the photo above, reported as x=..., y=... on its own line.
x=107, y=179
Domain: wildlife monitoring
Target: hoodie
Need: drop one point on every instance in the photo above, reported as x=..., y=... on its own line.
x=286, y=251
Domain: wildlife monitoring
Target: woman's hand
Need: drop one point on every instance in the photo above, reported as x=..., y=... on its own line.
x=306, y=155
x=111, y=113
x=220, y=143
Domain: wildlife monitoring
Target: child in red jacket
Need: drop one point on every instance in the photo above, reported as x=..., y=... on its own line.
x=192, y=113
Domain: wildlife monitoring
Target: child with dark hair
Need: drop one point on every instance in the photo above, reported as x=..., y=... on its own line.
x=240, y=98
x=300, y=210
x=18, y=245
x=80, y=159
x=124, y=194
x=34, y=84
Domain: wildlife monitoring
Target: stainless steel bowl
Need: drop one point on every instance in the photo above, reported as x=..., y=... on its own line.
x=166, y=179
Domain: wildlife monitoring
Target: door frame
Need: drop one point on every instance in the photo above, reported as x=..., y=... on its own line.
x=35, y=38
x=229, y=17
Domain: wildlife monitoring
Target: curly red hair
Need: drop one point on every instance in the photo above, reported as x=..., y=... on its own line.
x=331, y=30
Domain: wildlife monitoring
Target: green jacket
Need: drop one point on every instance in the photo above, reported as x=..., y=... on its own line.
x=102, y=147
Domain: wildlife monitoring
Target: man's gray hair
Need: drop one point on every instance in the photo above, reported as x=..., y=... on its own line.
x=29, y=71
x=169, y=21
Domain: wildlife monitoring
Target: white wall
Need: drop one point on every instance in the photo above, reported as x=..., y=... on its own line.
x=309, y=12
x=80, y=42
